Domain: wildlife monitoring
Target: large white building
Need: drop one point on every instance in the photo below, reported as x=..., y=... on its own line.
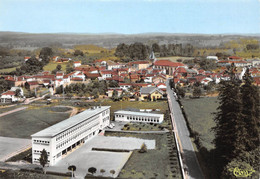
x=62, y=137
x=144, y=117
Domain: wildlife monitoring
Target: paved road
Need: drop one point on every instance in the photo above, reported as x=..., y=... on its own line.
x=190, y=159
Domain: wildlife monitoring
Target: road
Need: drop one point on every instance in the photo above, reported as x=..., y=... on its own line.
x=190, y=159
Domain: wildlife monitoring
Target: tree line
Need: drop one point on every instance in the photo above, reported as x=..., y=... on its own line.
x=140, y=51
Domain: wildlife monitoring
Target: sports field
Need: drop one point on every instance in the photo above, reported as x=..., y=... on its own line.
x=23, y=124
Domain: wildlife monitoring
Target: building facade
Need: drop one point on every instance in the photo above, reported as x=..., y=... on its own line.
x=144, y=117
x=66, y=135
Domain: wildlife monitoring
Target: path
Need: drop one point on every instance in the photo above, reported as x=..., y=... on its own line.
x=190, y=159
x=12, y=111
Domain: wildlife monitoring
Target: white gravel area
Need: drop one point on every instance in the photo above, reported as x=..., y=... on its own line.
x=125, y=143
x=12, y=146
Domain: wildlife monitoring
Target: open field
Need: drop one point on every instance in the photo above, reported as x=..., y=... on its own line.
x=162, y=105
x=6, y=70
x=52, y=65
x=24, y=123
x=159, y=163
x=199, y=113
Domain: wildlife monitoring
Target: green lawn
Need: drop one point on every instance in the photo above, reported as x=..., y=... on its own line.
x=159, y=163
x=6, y=70
x=199, y=113
x=23, y=124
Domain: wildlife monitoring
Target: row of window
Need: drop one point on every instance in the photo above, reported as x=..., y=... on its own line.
x=76, y=128
x=37, y=160
x=41, y=141
x=75, y=136
x=39, y=152
x=118, y=115
x=146, y=119
x=106, y=119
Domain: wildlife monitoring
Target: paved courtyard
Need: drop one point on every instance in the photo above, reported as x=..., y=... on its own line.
x=12, y=146
x=84, y=157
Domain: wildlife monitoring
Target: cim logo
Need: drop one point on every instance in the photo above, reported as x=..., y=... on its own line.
x=242, y=173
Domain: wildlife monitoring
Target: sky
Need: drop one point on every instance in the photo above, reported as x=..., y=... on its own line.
x=131, y=16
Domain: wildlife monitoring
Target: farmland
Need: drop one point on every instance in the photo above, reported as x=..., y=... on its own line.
x=24, y=123
x=52, y=65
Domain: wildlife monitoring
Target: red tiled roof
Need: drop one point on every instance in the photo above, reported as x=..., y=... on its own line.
x=92, y=75
x=9, y=93
x=168, y=63
x=181, y=70
x=234, y=57
x=77, y=79
x=125, y=84
x=77, y=62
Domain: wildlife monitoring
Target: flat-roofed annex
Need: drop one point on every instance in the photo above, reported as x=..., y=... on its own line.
x=148, y=114
x=70, y=122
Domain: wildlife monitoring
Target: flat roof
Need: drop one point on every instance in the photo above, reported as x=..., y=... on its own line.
x=68, y=123
x=148, y=114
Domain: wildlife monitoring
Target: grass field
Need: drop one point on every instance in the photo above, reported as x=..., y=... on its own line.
x=52, y=65
x=199, y=113
x=6, y=70
x=24, y=123
x=159, y=163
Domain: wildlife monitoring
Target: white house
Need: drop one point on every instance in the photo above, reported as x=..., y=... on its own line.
x=8, y=97
x=144, y=117
x=212, y=58
x=66, y=135
x=76, y=64
x=125, y=86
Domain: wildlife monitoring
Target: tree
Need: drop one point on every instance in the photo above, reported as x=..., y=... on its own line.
x=45, y=54
x=143, y=148
x=208, y=64
x=230, y=128
x=78, y=53
x=69, y=69
x=102, y=171
x=113, y=84
x=31, y=66
x=72, y=168
x=156, y=47
x=92, y=170
x=58, y=67
x=3, y=85
x=115, y=95
x=250, y=111
x=196, y=92
x=18, y=92
x=43, y=158
x=112, y=172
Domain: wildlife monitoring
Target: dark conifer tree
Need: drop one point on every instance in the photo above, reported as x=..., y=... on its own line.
x=229, y=131
x=250, y=111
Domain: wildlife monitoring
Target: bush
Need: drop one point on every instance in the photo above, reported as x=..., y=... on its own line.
x=143, y=148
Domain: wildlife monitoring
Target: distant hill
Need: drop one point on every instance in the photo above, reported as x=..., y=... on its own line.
x=69, y=40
